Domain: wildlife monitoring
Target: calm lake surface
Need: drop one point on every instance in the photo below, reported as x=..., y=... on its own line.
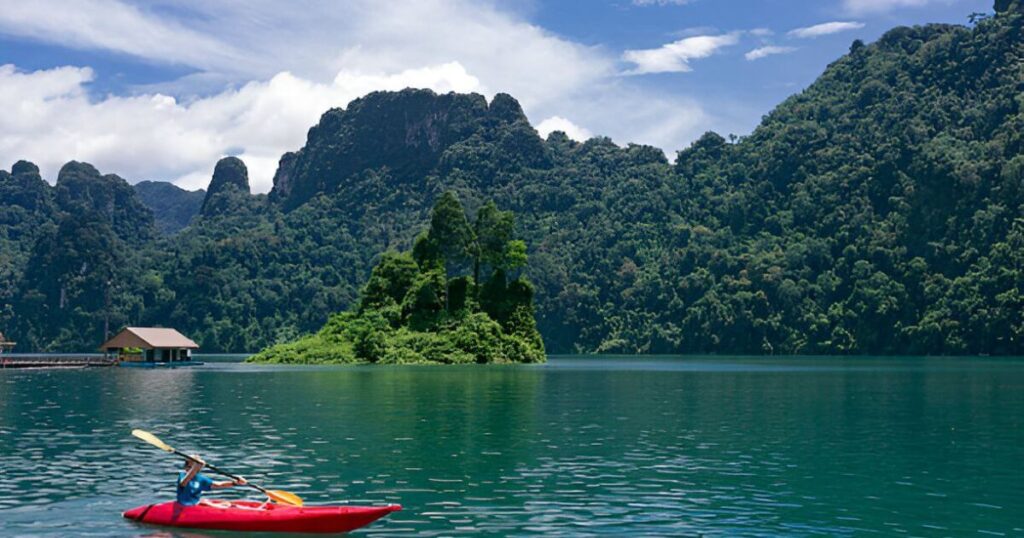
x=580, y=446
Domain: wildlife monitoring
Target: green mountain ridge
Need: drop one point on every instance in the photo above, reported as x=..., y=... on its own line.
x=881, y=210
x=172, y=206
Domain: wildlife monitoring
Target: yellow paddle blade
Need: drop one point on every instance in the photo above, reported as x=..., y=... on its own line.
x=284, y=497
x=152, y=439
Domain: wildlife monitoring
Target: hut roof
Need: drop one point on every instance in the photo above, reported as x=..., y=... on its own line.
x=149, y=338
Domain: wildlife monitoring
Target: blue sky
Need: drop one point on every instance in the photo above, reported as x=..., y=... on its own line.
x=162, y=89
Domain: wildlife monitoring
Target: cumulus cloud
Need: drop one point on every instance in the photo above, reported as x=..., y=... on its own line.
x=769, y=50
x=825, y=28
x=242, y=41
x=860, y=7
x=154, y=134
x=119, y=27
x=558, y=123
x=675, y=57
x=259, y=76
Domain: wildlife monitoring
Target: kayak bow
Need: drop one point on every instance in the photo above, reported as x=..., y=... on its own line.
x=251, y=516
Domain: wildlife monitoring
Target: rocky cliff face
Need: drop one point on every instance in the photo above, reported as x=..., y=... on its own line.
x=24, y=187
x=82, y=189
x=86, y=256
x=27, y=212
x=230, y=184
x=403, y=133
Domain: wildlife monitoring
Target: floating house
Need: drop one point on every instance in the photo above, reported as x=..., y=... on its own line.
x=150, y=346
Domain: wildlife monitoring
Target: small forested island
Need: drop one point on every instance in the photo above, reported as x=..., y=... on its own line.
x=430, y=305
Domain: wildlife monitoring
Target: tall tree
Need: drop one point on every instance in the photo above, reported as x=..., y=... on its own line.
x=451, y=234
x=494, y=230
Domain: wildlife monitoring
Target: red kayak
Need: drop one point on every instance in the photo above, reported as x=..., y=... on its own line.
x=259, y=517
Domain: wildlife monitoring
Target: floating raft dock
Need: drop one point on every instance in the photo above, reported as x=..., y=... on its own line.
x=58, y=361
x=159, y=364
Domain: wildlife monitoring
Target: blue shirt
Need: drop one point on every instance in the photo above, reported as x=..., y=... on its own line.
x=190, y=493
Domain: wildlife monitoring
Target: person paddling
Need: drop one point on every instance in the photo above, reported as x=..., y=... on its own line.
x=192, y=483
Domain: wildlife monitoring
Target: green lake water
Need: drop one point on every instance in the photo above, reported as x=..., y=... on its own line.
x=580, y=446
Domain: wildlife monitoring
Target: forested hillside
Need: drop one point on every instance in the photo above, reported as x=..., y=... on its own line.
x=172, y=206
x=881, y=210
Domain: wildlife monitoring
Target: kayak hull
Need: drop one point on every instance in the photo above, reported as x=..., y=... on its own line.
x=250, y=516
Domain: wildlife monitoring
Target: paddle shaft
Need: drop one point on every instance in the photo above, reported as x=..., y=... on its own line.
x=218, y=471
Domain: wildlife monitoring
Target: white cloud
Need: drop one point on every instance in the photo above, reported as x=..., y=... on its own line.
x=236, y=42
x=558, y=123
x=675, y=57
x=261, y=75
x=762, y=32
x=154, y=135
x=825, y=28
x=664, y=120
x=41, y=86
x=769, y=50
x=119, y=27
x=860, y=7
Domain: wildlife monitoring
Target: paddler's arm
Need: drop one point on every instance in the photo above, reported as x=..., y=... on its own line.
x=230, y=483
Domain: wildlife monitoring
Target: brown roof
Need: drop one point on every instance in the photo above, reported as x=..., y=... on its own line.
x=149, y=338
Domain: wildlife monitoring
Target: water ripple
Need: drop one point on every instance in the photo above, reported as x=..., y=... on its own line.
x=568, y=450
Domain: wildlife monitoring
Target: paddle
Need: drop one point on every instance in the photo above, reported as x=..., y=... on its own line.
x=284, y=497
